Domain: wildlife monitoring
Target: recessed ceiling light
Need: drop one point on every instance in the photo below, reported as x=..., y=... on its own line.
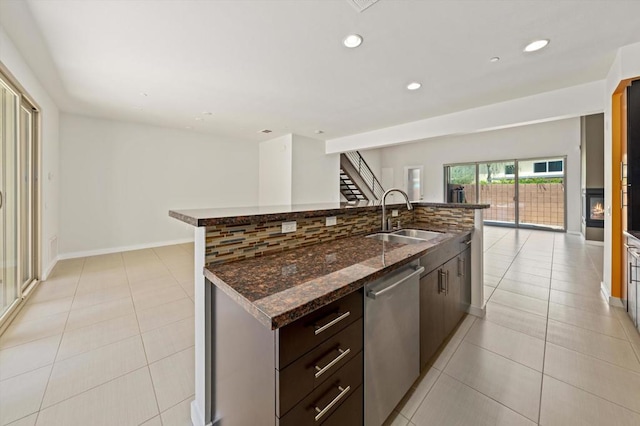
x=536, y=45
x=207, y=113
x=144, y=94
x=494, y=59
x=187, y=127
x=265, y=131
x=352, y=40
x=199, y=118
x=319, y=132
x=414, y=85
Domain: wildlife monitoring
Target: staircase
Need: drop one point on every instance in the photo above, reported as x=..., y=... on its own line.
x=357, y=181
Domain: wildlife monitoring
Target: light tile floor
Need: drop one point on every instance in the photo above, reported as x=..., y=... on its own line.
x=108, y=340
x=550, y=350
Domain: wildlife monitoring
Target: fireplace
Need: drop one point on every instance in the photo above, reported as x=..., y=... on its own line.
x=593, y=212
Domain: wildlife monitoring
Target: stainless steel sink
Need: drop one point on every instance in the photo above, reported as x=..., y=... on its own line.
x=393, y=238
x=418, y=233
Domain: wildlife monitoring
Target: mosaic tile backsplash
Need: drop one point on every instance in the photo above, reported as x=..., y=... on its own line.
x=225, y=243
x=445, y=218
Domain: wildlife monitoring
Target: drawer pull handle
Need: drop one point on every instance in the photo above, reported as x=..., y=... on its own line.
x=320, y=329
x=321, y=371
x=322, y=412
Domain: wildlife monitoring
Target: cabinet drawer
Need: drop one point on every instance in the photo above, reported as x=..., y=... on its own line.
x=445, y=252
x=309, y=371
x=328, y=397
x=351, y=412
x=299, y=337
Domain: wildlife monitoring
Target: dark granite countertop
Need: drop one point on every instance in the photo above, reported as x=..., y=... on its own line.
x=280, y=288
x=241, y=215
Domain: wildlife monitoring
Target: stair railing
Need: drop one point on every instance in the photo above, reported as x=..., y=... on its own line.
x=365, y=173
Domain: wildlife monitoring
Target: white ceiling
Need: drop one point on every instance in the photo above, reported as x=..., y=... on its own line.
x=281, y=65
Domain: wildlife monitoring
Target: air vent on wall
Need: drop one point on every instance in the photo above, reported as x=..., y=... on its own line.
x=361, y=5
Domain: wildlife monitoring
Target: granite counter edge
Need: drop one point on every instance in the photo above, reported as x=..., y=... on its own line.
x=192, y=217
x=284, y=318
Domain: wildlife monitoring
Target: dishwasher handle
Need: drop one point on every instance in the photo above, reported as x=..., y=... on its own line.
x=375, y=294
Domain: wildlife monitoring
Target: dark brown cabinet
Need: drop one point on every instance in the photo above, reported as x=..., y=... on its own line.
x=309, y=372
x=633, y=156
x=444, y=297
x=431, y=316
x=319, y=366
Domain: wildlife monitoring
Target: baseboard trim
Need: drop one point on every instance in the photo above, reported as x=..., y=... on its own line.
x=476, y=311
x=575, y=233
x=613, y=301
x=594, y=243
x=97, y=252
x=47, y=271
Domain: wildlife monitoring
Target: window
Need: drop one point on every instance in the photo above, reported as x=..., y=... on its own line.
x=540, y=167
x=555, y=166
x=508, y=169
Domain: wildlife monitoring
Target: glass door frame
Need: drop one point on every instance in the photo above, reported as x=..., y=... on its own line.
x=517, y=224
x=32, y=193
x=35, y=162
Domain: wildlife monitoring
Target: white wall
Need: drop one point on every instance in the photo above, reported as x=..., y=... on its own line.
x=275, y=169
x=294, y=169
x=551, y=139
x=315, y=174
x=119, y=180
x=12, y=59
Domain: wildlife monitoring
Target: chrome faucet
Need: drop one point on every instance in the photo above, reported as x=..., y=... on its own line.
x=385, y=225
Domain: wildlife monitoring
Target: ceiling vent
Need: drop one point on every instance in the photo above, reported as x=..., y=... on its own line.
x=265, y=131
x=361, y=5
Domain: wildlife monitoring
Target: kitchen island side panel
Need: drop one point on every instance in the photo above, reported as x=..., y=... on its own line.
x=244, y=359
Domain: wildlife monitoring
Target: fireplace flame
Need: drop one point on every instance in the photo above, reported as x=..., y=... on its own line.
x=598, y=209
x=597, y=212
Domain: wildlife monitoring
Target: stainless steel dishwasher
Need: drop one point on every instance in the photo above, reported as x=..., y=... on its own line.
x=391, y=341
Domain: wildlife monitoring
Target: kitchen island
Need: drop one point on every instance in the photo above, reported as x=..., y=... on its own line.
x=266, y=281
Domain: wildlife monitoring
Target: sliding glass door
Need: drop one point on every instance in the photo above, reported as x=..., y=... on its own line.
x=528, y=193
x=541, y=192
x=461, y=183
x=498, y=189
x=8, y=196
x=18, y=195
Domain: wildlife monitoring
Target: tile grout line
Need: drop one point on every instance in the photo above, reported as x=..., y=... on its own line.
x=148, y=365
x=588, y=329
x=178, y=403
x=626, y=333
x=546, y=333
x=525, y=295
x=144, y=349
x=593, y=394
x=91, y=388
x=76, y=281
x=485, y=395
x=59, y=345
x=114, y=378
x=518, y=309
x=426, y=394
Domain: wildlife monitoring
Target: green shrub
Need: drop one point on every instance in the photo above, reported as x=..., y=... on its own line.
x=523, y=181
